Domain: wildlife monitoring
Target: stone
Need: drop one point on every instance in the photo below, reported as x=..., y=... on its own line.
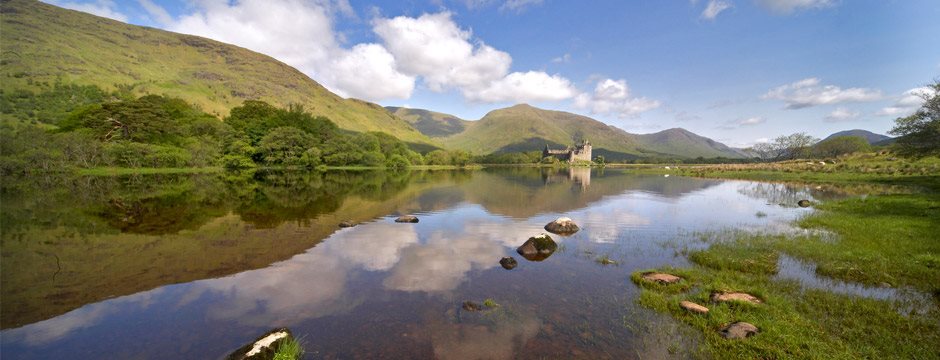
x=346, y=223
x=661, y=278
x=693, y=307
x=739, y=330
x=508, y=263
x=407, y=219
x=264, y=347
x=719, y=296
x=804, y=203
x=562, y=226
x=538, y=248
x=471, y=306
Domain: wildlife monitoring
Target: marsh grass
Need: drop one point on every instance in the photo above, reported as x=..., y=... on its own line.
x=289, y=349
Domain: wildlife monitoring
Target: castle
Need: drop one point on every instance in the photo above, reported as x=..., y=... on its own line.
x=580, y=152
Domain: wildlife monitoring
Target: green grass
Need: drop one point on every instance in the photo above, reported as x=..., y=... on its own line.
x=289, y=349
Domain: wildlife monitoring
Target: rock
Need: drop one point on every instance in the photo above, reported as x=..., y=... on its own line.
x=508, y=263
x=719, y=296
x=471, y=306
x=738, y=330
x=693, y=307
x=538, y=248
x=407, y=219
x=562, y=226
x=804, y=203
x=346, y=224
x=263, y=347
x=661, y=278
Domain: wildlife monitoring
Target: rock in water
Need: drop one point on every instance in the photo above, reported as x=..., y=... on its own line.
x=738, y=330
x=693, y=307
x=538, y=248
x=471, y=306
x=562, y=226
x=407, y=219
x=661, y=278
x=719, y=296
x=508, y=263
x=263, y=348
x=346, y=224
x=804, y=203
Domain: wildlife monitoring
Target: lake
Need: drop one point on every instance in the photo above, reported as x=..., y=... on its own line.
x=195, y=266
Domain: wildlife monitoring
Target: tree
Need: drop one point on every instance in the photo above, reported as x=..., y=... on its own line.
x=841, y=145
x=284, y=146
x=919, y=133
x=766, y=151
x=793, y=146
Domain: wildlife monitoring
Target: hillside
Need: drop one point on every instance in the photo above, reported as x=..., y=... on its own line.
x=43, y=44
x=430, y=123
x=871, y=137
x=526, y=128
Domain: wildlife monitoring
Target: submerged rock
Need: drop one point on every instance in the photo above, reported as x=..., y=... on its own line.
x=804, y=203
x=264, y=347
x=471, y=306
x=720, y=296
x=661, y=278
x=538, y=248
x=346, y=223
x=508, y=263
x=693, y=307
x=407, y=219
x=562, y=226
x=738, y=330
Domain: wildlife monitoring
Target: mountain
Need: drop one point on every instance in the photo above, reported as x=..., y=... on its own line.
x=869, y=136
x=526, y=128
x=43, y=44
x=430, y=123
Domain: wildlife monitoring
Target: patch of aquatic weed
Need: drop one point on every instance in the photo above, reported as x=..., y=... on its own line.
x=289, y=349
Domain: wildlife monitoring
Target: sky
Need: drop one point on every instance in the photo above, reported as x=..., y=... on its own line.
x=737, y=71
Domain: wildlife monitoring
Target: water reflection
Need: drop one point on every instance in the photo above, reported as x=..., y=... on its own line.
x=199, y=264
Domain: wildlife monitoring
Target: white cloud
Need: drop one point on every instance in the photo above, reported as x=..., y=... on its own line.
x=714, y=8
x=156, y=12
x=742, y=122
x=808, y=92
x=566, y=58
x=524, y=87
x=908, y=102
x=103, y=8
x=613, y=97
x=842, y=114
x=789, y=6
x=519, y=5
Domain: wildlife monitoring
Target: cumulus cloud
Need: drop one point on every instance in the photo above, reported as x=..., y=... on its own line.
x=524, y=87
x=908, y=102
x=613, y=97
x=103, y=8
x=789, y=6
x=566, y=58
x=842, y=114
x=808, y=92
x=742, y=122
x=156, y=12
x=714, y=8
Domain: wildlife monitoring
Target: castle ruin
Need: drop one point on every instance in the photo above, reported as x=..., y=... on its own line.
x=581, y=152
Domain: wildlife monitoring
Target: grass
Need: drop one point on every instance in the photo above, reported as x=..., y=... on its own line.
x=877, y=240
x=289, y=349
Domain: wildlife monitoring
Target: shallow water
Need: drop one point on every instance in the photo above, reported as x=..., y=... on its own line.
x=194, y=266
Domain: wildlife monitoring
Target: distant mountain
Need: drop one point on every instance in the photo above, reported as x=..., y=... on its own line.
x=526, y=128
x=43, y=44
x=430, y=123
x=869, y=136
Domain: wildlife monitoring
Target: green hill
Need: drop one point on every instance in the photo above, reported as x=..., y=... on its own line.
x=43, y=44
x=526, y=128
x=430, y=123
x=869, y=136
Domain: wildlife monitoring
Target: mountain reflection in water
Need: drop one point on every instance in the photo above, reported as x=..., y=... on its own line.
x=192, y=266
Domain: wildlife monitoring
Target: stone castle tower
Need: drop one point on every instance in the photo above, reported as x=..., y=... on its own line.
x=580, y=152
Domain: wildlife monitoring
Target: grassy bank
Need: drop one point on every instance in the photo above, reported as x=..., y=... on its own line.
x=885, y=241
x=108, y=171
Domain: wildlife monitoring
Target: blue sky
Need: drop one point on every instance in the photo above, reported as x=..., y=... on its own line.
x=737, y=71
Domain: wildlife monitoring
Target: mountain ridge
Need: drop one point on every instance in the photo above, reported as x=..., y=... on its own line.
x=869, y=136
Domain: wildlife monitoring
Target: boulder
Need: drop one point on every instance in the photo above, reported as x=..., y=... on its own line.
x=562, y=226
x=538, y=248
x=407, y=219
x=508, y=263
x=738, y=330
x=346, y=223
x=661, y=278
x=693, y=307
x=720, y=296
x=804, y=203
x=264, y=347
x=471, y=306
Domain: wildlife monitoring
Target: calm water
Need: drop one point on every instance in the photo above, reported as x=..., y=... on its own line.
x=194, y=266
